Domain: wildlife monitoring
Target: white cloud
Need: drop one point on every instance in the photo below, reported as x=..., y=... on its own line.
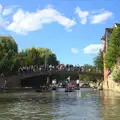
x=82, y=14
x=74, y=50
x=101, y=17
x=94, y=17
x=3, y=22
x=7, y=11
x=4, y=11
x=23, y=21
x=92, y=48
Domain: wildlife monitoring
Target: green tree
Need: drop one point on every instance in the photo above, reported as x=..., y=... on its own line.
x=86, y=78
x=19, y=60
x=52, y=59
x=8, y=49
x=47, y=55
x=11, y=60
x=89, y=67
x=116, y=76
x=98, y=61
x=35, y=56
x=113, y=48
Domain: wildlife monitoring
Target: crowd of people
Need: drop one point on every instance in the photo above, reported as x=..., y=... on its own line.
x=58, y=68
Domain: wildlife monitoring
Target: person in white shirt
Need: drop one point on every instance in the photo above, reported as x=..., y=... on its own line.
x=77, y=83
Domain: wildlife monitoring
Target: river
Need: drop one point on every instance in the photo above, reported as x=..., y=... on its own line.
x=85, y=104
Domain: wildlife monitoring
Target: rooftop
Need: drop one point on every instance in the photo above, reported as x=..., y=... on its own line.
x=110, y=30
x=117, y=25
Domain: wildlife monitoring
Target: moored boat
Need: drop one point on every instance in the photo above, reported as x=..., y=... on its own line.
x=54, y=88
x=70, y=88
x=77, y=88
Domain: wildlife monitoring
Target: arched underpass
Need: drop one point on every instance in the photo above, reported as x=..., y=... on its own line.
x=40, y=79
x=37, y=81
x=34, y=82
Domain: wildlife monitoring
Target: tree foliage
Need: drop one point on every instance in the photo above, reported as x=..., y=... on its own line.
x=116, y=76
x=113, y=48
x=87, y=78
x=11, y=59
x=8, y=48
x=90, y=67
x=35, y=56
x=98, y=61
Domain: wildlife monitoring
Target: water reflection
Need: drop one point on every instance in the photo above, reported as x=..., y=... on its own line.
x=84, y=104
x=78, y=94
x=110, y=105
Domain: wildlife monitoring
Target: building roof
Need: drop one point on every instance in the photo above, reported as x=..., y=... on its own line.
x=116, y=25
x=108, y=30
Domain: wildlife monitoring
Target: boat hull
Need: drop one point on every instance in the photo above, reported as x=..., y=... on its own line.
x=69, y=90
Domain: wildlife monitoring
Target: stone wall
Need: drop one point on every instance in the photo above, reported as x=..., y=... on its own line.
x=12, y=82
x=98, y=85
x=111, y=85
x=2, y=80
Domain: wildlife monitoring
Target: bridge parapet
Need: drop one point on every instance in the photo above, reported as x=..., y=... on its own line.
x=50, y=73
x=15, y=80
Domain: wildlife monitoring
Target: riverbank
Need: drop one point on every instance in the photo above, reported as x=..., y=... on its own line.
x=97, y=85
x=109, y=84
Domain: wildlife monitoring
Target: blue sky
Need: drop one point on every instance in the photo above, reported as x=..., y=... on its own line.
x=72, y=29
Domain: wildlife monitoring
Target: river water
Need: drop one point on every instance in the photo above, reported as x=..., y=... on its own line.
x=84, y=104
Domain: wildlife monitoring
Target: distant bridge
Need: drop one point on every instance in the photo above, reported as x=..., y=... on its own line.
x=51, y=73
x=35, y=78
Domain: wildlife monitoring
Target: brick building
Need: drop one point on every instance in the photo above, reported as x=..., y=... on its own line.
x=105, y=39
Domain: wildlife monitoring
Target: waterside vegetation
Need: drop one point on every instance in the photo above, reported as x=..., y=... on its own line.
x=11, y=59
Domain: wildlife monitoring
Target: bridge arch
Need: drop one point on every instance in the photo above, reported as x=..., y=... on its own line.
x=40, y=78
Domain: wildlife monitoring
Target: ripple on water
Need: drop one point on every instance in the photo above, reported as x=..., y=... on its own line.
x=80, y=105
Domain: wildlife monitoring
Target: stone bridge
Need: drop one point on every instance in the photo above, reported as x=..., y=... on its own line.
x=37, y=78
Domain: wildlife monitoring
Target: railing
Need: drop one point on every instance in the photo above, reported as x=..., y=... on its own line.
x=41, y=70
x=35, y=69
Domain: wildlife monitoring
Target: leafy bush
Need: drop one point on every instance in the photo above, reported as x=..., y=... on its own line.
x=98, y=61
x=113, y=48
x=116, y=76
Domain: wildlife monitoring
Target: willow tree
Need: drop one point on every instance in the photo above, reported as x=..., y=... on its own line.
x=113, y=48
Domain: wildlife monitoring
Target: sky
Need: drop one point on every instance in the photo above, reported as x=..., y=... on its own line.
x=72, y=29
